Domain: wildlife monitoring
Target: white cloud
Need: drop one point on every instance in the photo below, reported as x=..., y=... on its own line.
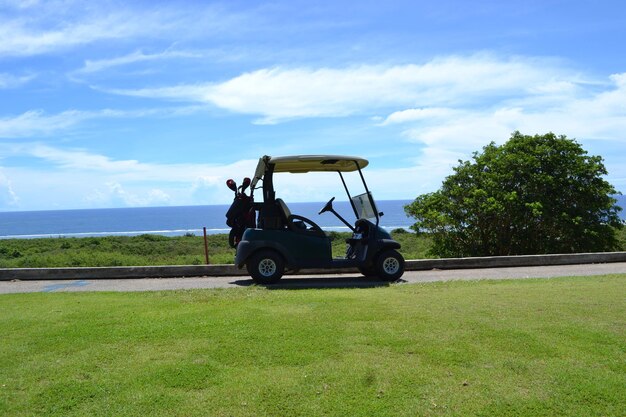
x=466, y=131
x=82, y=160
x=8, y=198
x=37, y=123
x=116, y=194
x=278, y=94
x=19, y=4
x=60, y=25
x=79, y=179
x=599, y=116
x=92, y=66
x=19, y=39
x=597, y=119
x=72, y=160
x=12, y=81
x=411, y=115
x=204, y=185
x=75, y=178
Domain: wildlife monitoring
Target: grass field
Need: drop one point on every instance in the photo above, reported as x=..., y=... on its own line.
x=149, y=250
x=492, y=348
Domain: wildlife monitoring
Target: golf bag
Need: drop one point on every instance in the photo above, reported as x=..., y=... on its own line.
x=241, y=214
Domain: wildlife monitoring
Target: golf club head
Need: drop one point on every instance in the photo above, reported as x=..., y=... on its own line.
x=245, y=184
x=231, y=184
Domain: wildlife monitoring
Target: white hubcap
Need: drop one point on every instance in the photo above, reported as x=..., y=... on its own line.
x=391, y=266
x=267, y=267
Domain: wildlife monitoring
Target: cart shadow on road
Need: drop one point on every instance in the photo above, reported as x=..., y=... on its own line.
x=294, y=283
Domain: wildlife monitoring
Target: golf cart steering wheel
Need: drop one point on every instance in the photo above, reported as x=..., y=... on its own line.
x=328, y=206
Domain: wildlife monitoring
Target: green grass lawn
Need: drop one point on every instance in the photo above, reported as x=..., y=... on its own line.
x=526, y=348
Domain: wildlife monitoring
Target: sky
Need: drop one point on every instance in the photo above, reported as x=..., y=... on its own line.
x=156, y=103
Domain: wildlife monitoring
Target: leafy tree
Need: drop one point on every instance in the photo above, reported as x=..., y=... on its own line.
x=532, y=195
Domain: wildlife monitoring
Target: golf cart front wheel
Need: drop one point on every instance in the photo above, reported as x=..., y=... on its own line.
x=389, y=265
x=266, y=267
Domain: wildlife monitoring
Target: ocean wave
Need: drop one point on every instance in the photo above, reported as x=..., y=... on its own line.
x=172, y=232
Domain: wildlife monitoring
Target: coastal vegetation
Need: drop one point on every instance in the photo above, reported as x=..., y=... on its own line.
x=147, y=249
x=152, y=250
x=518, y=348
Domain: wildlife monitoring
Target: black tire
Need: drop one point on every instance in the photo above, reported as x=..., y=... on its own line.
x=266, y=267
x=232, y=236
x=368, y=271
x=389, y=265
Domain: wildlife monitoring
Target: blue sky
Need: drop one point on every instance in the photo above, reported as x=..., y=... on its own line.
x=116, y=104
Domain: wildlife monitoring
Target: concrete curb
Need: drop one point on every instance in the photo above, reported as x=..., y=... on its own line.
x=514, y=261
x=25, y=274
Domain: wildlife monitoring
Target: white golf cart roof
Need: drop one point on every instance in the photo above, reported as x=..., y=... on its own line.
x=308, y=163
x=298, y=164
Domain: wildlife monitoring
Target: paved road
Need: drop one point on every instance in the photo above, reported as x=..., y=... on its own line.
x=309, y=281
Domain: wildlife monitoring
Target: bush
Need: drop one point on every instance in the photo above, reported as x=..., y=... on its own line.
x=532, y=195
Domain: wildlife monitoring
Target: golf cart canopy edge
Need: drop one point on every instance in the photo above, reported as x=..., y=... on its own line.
x=298, y=164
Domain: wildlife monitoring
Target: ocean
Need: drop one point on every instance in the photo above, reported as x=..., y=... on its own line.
x=176, y=221
x=170, y=221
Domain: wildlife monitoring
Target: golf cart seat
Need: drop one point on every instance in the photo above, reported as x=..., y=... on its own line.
x=298, y=224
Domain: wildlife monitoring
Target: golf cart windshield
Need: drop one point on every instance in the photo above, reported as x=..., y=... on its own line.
x=363, y=205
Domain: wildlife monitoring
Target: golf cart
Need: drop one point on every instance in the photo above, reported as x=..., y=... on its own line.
x=281, y=241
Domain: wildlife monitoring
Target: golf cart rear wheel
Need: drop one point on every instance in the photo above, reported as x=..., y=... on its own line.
x=389, y=265
x=266, y=267
x=232, y=237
